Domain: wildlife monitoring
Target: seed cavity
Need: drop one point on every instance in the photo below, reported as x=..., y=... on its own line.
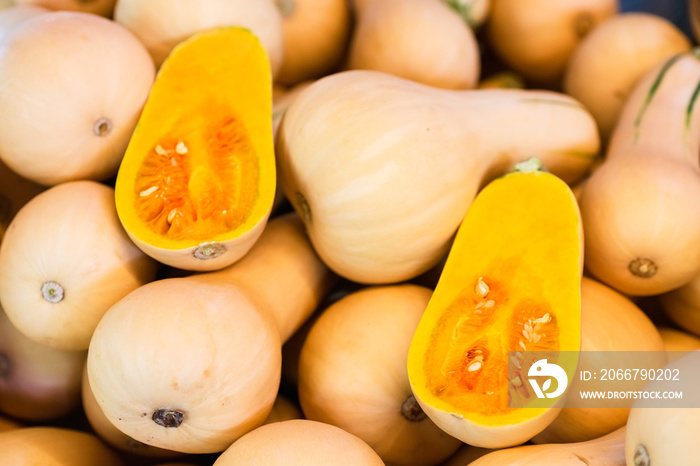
x=102, y=127
x=208, y=250
x=168, y=417
x=643, y=267
x=411, y=410
x=180, y=148
x=52, y=292
x=160, y=151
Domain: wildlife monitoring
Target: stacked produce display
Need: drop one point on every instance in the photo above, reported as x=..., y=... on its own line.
x=346, y=232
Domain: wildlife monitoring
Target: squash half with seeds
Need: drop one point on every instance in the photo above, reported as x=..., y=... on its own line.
x=509, y=297
x=197, y=182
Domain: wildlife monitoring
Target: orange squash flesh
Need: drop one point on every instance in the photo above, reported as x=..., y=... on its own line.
x=200, y=165
x=510, y=290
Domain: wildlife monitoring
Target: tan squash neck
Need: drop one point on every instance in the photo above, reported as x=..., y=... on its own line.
x=662, y=115
x=282, y=273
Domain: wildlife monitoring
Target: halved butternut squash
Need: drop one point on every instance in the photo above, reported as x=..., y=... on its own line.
x=197, y=182
x=510, y=291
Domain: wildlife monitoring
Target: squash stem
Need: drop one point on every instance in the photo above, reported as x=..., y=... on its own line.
x=641, y=456
x=411, y=410
x=643, y=267
x=52, y=292
x=168, y=417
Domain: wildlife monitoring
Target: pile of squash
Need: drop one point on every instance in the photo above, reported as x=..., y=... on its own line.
x=325, y=232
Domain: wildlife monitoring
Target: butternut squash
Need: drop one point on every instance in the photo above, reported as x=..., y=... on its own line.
x=420, y=40
x=509, y=295
x=641, y=231
x=64, y=260
x=37, y=383
x=537, y=38
x=604, y=311
x=315, y=34
x=14, y=15
x=383, y=169
x=98, y=7
x=162, y=24
x=298, y=441
x=197, y=182
x=55, y=446
x=682, y=306
x=200, y=355
x=608, y=450
x=677, y=342
x=352, y=374
x=105, y=92
x=667, y=434
x=108, y=432
x=608, y=62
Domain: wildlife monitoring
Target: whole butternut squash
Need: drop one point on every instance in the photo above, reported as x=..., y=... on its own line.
x=315, y=34
x=682, y=306
x=352, y=374
x=162, y=24
x=608, y=62
x=537, y=38
x=421, y=40
x=608, y=450
x=642, y=227
x=37, y=383
x=667, y=434
x=299, y=441
x=382, y=169
x=55, y=446
x=200, y=355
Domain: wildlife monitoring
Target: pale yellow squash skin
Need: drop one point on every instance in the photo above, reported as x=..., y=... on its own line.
x=352, y=374
x=315, y=35
x=37, y=383
x=299, y=441
x=185, y=365
x=282, y=274
x=682, y=306
x=14, y=15
x=641, y=230
x=536, y=38
x=421, y=40
x=604, y=312
x=162, y=24
x=608, y=450
x=666, y=435
x=64, y=260
x=107, y=431
x=382, y=169
x=677, y=342
x=47, y=66
x=97, y=7
x=55, y=446
x=608, y=62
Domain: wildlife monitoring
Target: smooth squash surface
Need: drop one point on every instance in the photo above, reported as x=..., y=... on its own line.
x=510, y=286
x=198, y=178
